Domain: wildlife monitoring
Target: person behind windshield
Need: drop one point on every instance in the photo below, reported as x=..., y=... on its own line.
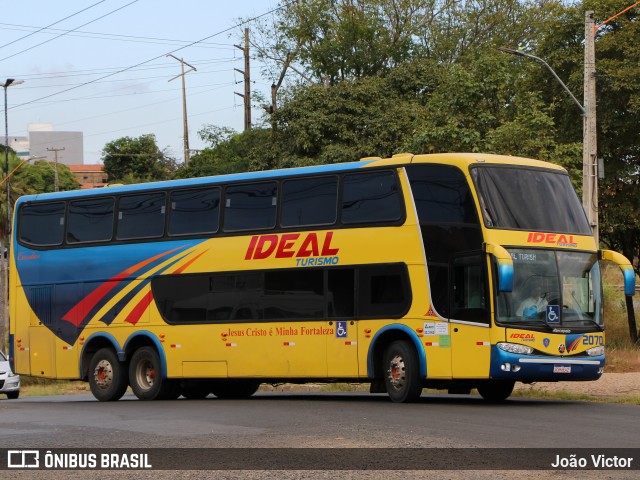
x=535, y=303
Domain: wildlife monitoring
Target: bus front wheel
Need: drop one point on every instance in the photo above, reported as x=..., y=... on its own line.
x=496, y=391
x=146, y=379
x=107, y=376
x=402, y=372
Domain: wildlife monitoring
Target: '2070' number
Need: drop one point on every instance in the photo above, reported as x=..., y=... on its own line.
x=592, y=340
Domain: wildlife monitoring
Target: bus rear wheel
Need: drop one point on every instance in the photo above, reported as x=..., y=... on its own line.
x=146, y=379
x=402, y=372
x=107, y=376
x=235, y=388
x=496, y=391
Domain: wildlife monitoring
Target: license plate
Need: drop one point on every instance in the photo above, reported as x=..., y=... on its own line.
x=562, y=369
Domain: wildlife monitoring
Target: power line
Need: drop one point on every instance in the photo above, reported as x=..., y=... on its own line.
x=121, y=80
x=105, y=36
x=63, y=34
x=154, y=58
x=52, y=24
x=96, y=71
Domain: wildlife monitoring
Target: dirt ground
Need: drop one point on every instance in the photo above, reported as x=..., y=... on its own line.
x=610, y=384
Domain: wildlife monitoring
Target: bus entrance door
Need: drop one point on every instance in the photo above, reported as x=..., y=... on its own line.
x=470, y=332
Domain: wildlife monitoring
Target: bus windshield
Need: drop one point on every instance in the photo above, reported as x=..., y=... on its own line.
x=537, y=300
x=529, y=199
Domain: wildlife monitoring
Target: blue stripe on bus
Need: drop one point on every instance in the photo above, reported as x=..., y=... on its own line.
x=194, y=182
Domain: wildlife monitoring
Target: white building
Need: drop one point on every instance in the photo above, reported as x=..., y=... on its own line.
x=42, y=141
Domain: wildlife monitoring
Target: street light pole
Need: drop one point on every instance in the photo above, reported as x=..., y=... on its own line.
x=4, y=328
x=5, y=85
x=589, y=160
x=589, y=150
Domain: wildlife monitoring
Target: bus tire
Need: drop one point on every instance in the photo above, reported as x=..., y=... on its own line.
x=235, y=389
x=146, y=379
x=401, y=372
x=107, y=376
x=496, y=391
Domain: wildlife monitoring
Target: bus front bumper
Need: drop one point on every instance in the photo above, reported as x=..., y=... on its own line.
x=542, y=368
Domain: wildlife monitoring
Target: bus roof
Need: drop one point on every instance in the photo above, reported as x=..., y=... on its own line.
x=462, y=160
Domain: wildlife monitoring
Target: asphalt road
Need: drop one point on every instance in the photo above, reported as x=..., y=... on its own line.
x=319, y=421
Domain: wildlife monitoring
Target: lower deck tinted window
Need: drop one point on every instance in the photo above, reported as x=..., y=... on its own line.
x=384, y=290
x=371, y=197
x=285, y=294
x=42, y=224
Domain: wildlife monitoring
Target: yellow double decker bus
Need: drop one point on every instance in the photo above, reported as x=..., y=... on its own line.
x=449, y=271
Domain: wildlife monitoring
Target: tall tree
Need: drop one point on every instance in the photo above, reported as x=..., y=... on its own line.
x=132, y=160
x=227, y=151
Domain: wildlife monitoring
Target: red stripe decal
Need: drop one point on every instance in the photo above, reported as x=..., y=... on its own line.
x=78, y=313
x=138, y=310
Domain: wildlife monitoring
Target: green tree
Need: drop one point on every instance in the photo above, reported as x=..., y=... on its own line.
x=29, y=179
x=133, y=160
x=227, y=152
x=437, y=83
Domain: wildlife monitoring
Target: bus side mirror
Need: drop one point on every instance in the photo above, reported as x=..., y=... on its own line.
x=628, y=273
x=505, y=266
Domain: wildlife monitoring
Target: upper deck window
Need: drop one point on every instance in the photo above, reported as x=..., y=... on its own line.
x=442, y=194
x=251, y=206
x=529, y=199
x=42, y=224
x=141, y=216
x=90, y=220
x=309, y=201
x=194, y=211
x=371, y=197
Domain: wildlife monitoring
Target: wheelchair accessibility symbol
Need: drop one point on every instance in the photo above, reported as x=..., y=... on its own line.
x=341, y=329
x=553, y=313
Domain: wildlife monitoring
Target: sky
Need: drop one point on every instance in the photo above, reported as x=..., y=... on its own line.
x=100, y=67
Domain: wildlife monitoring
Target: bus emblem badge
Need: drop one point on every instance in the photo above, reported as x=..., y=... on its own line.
x=341, y=329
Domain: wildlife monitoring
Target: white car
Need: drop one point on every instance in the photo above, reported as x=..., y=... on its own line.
x=9, y=381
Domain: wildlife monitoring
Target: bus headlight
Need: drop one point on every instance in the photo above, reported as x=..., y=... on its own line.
x=515, y=348
x=596, y=351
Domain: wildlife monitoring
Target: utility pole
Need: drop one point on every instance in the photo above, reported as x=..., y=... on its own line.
x=589, y=151
x=55, y=151
x=247, y=81
x=184, y=105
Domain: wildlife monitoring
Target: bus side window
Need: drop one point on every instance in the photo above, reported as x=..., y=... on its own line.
x=383, y=290
x=309, y=201
x=468, y=292
x=141, y=216
x=90, y=220
x=250, y=206
x=194, y=211
x=42, y=224
x=371, y=197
